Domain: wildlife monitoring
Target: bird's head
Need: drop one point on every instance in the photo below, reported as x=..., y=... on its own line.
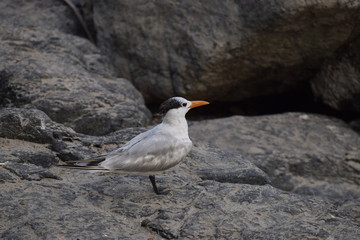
x=179, y=106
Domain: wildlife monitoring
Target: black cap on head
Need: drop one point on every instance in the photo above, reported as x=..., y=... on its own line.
x=170, y=104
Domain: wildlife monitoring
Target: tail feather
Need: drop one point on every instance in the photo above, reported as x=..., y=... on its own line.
x=91, y=160
x=86, y=164
x=83, y=167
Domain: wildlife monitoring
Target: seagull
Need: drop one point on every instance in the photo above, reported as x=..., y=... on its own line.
x=153, y=151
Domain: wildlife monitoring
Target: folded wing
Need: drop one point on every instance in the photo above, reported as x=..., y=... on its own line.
x=154, y=151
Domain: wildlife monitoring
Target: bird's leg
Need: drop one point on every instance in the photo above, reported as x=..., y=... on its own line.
x=152, y=180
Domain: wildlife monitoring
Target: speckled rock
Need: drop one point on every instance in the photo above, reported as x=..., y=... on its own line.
x=45, y=14
x=303, y=153
x=113, y=207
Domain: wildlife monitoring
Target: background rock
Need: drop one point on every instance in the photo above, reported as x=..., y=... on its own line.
x=221, y=50
x=338, y=82
x=46, y=14
x=302, y=153
x=63, y=75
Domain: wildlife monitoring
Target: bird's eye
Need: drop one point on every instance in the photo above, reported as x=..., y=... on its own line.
x=184, y=104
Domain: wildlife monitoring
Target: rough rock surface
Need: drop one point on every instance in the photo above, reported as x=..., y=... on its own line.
x=61, y=74
x=213, y=193
x=338, y=82
x=45, y=14
x=228, y=50
x=35, y=127
x=302, y=153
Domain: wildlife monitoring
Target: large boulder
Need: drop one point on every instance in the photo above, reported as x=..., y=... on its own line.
x=228, y=50
x=302, y=153
x=62, y=74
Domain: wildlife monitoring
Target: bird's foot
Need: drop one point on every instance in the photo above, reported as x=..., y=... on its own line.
x=163, y=191
x=156, y=189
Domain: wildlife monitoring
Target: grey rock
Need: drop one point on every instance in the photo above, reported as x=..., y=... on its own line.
x=45, y=14
x=63, y=75
x=228, y=50
x=5, y=177
x=103, y=207
x=43, y=211
x=211, y=163
x=27, y=152
x=30, y=172
x=43, y=159
x=30, y=125
x=235, y=175
x=338, y=82
x=236, y=215
x=303, y=153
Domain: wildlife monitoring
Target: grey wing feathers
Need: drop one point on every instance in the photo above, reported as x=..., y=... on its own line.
x=155, y=153
x=136, y=139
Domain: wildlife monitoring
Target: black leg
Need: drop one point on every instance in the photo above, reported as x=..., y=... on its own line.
x=152, y=180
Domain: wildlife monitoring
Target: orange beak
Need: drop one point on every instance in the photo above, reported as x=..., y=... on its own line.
x=195, y=104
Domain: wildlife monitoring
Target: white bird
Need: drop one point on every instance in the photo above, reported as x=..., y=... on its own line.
x=153, y=151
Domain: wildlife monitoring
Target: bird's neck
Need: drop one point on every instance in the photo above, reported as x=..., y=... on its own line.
x=175, y=120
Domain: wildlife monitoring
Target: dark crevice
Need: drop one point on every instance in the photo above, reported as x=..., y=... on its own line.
x=77, y=10
x=300, y=99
